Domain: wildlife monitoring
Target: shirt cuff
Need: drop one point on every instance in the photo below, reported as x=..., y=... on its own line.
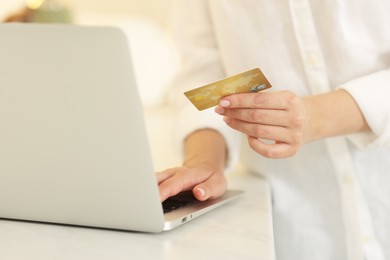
x=372, y=93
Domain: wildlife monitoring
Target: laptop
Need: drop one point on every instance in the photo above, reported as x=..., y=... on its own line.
x=73, y=145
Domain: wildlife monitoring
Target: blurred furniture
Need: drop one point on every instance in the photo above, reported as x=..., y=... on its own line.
x=41, y=11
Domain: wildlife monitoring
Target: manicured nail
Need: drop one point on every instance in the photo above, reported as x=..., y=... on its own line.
x=201, y=191
x=220, y=110
x=224, y=103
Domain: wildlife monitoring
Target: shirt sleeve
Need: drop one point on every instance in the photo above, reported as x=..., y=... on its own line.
x=200, y=65
x=372, y=93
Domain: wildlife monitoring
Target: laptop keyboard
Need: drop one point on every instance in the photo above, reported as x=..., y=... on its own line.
x=179, y=201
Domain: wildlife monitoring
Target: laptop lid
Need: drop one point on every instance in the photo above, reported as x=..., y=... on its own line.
x=73, y=146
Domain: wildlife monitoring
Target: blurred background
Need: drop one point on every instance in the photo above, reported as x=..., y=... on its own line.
x=146, y=23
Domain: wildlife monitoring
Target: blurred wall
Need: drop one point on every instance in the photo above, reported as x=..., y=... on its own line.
x=7, y=6
x=145, y=22
x=158, y=10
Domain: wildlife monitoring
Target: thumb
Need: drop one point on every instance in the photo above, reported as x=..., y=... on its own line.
x=212, y=188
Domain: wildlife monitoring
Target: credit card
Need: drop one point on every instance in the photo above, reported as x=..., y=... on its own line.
x=209, y=95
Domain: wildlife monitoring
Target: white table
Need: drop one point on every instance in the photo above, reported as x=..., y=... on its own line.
x=241, y=230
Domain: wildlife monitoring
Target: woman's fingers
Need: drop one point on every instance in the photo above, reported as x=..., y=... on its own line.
x=205, y=183
x=265, y=100
x=259, y=116
x=273, y=151
x=278, y=116
x=211, y=188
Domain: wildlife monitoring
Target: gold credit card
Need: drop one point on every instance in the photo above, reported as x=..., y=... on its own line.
x=210, y=94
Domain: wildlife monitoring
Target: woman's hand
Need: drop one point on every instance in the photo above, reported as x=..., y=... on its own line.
x=277, y=116
x=289, y=120
x=203, y=168
x=206, y=183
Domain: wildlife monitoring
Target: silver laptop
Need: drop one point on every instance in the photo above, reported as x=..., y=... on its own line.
x=73, y=145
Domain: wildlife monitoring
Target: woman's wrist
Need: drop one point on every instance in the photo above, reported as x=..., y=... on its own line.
x=205, y=148
x=332, y=114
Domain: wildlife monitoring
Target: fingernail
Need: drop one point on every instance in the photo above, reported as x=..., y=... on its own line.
x=201, y=191
x=220, y=110
x=227, y=120
x=224, y=103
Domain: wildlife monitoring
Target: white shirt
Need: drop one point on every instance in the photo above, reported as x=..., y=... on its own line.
x=317, y=207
